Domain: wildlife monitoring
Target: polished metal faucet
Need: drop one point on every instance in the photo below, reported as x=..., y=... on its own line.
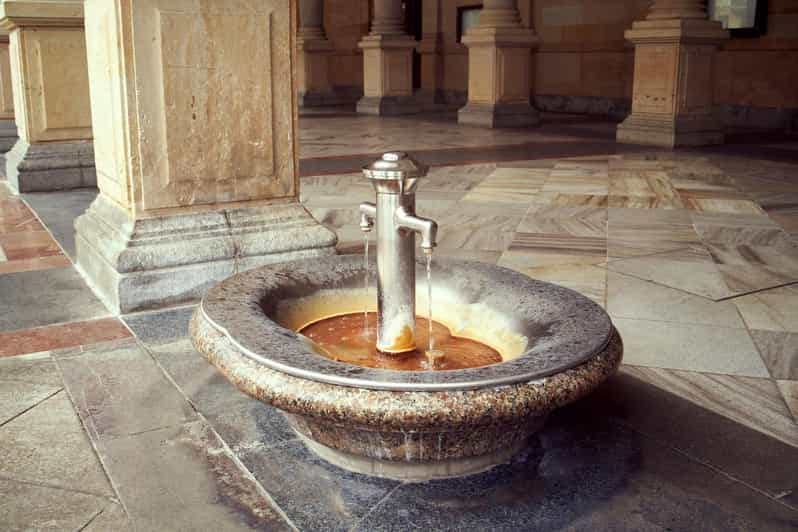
x=395, y=177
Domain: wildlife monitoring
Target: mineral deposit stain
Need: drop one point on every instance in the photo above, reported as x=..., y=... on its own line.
x=344, y=339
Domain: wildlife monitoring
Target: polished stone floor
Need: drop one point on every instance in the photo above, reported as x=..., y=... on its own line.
x=115, y=423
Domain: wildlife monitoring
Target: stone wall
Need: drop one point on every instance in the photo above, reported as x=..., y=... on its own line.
x=582, y=63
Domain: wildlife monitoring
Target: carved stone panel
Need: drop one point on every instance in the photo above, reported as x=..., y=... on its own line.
x=215, y=101
x=55, y=84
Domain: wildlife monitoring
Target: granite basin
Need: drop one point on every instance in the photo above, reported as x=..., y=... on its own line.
x=557, y=346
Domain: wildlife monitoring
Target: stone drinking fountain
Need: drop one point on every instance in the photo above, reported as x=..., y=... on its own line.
x=338, y=346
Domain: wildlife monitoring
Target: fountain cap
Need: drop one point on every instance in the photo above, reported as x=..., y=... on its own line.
x=395, y=166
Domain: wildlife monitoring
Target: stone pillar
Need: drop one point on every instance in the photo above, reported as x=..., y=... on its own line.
x=499, y=65
x=8, y=129
x=387, y=63
x=51, y=95
x=672, y=94
x=313, y=56
x=430, y=50
x=196, y=152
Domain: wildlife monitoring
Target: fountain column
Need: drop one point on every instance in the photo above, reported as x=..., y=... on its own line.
x=196, y=148
x=672, y=102
x=8, y=128
x=51, y=95
x=387, y=63
x=313, y=56
x=499, y=69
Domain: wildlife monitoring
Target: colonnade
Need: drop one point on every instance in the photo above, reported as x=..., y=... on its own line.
x=163, y=105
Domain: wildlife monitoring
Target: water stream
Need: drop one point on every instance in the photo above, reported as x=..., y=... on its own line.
x=433, y=355
x=366, y=280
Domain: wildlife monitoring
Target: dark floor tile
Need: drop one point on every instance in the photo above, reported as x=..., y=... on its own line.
x=207, y=389
x=58, y=211
x=741, y=452
x=584, y=473
x=37, y=298
x=120, y=390
x=250, y=424
x=779, y=350
x=162, y=326
x=313, y=494
x=182, y=478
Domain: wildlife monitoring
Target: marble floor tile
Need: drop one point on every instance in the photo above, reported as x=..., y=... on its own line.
x=499, y=187
x=557, y=199
x=753, y=402
x=716, y=441
x=690, y=270
x=30, y=300
x=779, y=350
x=533, y=251
x=632, y=240
x=620, y=217
x=644, y=202
x=588, y=280
x=771, y=310
x=28, y=506
x=630, y=297
x=789, y=391
x=314, y=494
x=113, y=517
x=583, y=474
x=60, y=336
x=47, y=445
x=35, y=264
x=119, y=391
x=689, y=347
x=576, y=184
x=574, y=221
x=731, y=206
x=184, y=478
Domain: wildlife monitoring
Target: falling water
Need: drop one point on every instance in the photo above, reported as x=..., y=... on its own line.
x=433, y=355
x=366, y=282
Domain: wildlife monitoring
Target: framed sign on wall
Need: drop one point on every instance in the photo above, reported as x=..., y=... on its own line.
x=743, y=18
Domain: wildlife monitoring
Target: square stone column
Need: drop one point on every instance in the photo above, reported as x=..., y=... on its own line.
x=387, y=63
x=51, y=95
x=8, y=129
x=672, y=102
x=195, y=113
x=313, y=57
x=499, y=69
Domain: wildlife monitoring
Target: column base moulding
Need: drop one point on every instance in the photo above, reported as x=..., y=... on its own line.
x=165, y=261
x=50, y=166
x=668, y=133
x=8, y=135
x=498, y=115
x=388, y=105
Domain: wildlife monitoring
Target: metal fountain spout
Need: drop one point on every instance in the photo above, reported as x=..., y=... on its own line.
x=395, y=177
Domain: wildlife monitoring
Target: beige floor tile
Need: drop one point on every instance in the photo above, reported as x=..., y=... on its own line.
x=755, y=403
x=690, y=347
x=725, y=206
x=630, y=297
x=779, y=350
x=771, y=310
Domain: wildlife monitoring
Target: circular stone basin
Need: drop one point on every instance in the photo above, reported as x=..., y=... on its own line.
x=556, y=346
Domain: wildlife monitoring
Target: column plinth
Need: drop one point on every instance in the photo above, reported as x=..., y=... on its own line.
x=387, y=64
x=197, y=166
x=51, y=96
x=313, y=57
x=672, y=102
x=499, y=69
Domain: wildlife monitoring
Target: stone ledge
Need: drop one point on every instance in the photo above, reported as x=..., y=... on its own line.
x=50, y=166
x=166, y=261
x=8, y=135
